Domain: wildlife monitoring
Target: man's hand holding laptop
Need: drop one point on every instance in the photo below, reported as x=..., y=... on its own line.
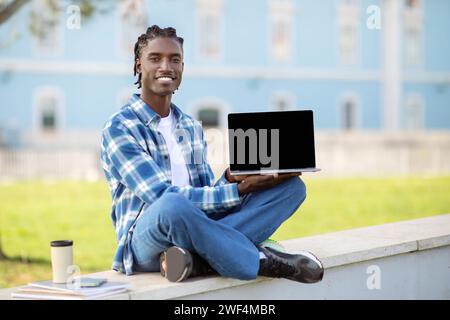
x=255, y=182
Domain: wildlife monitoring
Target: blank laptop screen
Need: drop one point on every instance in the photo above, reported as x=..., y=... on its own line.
x=262, y=136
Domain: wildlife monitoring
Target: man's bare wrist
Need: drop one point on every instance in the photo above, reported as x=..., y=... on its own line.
x=242, y=188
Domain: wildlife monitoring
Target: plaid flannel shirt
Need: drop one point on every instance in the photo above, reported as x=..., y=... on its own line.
x=136, y=163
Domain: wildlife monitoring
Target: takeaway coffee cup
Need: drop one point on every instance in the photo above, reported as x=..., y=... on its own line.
x=62, y=258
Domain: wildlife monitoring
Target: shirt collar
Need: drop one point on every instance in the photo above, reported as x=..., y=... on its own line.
x=147, y=115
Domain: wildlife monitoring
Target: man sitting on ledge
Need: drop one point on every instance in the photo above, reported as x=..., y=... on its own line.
x=167, y=213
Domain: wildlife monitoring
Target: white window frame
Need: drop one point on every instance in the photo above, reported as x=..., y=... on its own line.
x=413, y=21
x=210, y=9
x=215, y=103
x=281, y=11
x=419, y=101
x=130, y=30
x=44, y=92
x=287, y=96
x=344, y=99
x=42, y=13
x=348, y=16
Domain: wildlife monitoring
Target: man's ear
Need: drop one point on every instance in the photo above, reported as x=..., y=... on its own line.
x=182, y=66
x=138, y=65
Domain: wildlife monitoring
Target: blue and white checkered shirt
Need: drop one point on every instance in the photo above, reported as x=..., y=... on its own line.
x=136, y=163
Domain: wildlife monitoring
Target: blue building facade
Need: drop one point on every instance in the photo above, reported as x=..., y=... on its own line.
x=359, y=64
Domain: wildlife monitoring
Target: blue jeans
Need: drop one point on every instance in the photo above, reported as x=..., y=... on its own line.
x=226, y=240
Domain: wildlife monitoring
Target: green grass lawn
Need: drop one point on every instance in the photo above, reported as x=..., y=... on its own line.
x=34, y=213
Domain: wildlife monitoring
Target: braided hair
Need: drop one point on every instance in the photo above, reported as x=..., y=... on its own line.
x=152, y=33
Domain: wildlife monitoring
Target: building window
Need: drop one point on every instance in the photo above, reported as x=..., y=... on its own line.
x=283, y=101
x=48, y=116
x=210, y=28
x=209, y=116
x=47, y=28
x=414, y=113
x=48, y=110
x=348, y=31
x=211, y=112
x=349, y=113
x=413, y=27
x=281, y=21
x=133, y=22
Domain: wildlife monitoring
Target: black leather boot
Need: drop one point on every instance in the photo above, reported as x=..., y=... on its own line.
x=302, y=267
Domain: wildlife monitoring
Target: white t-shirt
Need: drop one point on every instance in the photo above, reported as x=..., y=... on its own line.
x=180, y=175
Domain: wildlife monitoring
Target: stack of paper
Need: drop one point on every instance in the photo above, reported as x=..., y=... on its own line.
x=49, y=290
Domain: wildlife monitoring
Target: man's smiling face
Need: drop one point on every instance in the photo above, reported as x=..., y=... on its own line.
x=161, y=64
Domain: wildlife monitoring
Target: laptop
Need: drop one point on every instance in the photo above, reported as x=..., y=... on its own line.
x=271, y=142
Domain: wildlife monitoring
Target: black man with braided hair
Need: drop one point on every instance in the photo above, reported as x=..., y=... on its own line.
x=169, y=215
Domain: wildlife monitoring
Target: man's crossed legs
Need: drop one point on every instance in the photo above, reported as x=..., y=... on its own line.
x=227, y=241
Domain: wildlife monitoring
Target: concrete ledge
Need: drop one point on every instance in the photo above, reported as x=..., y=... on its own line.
x=336, y=250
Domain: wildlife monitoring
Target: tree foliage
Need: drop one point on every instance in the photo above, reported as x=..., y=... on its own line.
x=44, y=13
